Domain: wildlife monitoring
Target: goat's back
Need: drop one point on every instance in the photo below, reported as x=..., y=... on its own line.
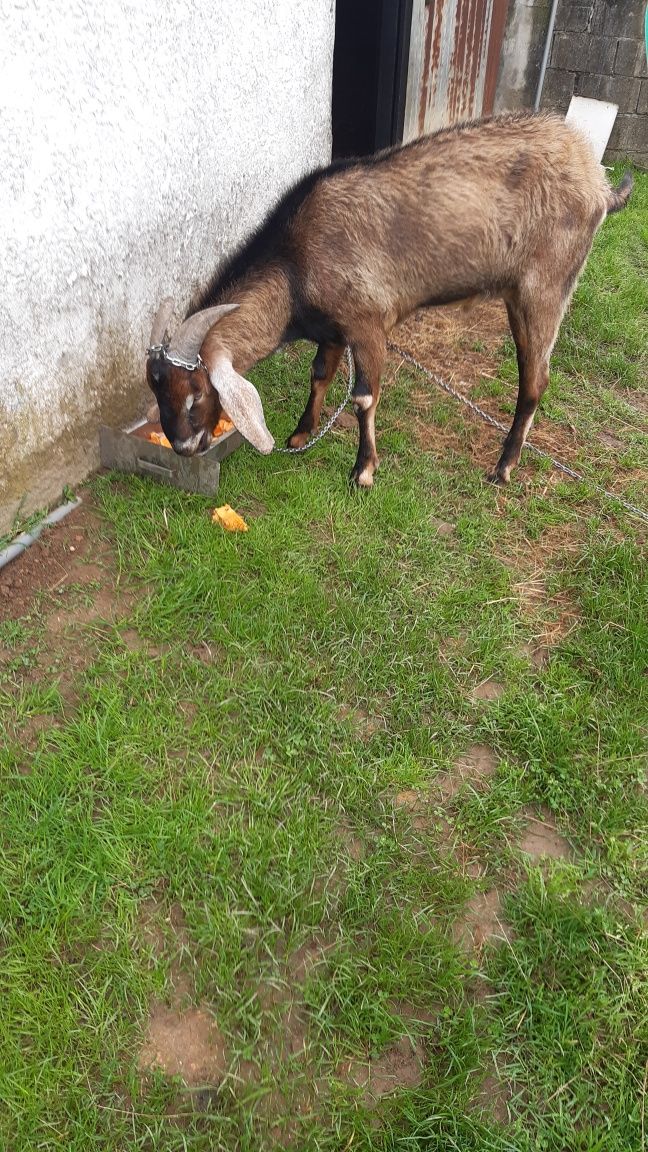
x=465, y=210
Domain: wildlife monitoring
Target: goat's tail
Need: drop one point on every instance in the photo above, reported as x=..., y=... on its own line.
x=618, y=197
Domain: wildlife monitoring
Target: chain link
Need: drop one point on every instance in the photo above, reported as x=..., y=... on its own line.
x=329, y=424
x=177, y=361
x=488, y=419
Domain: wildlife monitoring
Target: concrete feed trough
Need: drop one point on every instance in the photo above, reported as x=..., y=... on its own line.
x=130, y=450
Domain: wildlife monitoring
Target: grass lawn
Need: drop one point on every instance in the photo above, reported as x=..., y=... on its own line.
x=333, y=835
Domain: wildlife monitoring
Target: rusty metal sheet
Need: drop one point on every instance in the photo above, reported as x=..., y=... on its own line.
x=462, y=46
x=495, y=42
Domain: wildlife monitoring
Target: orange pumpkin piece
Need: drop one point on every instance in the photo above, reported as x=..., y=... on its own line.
x=224, y=425
x=229, y=519
x=159, y=438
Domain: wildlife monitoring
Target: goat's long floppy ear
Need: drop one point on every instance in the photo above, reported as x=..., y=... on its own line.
x=242, y=403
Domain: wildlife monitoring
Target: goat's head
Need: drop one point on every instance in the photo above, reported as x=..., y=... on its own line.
x=192, y=392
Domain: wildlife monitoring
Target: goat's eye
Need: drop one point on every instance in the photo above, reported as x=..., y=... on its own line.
x=189, y=401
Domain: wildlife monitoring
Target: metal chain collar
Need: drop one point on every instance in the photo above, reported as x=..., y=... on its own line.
x=329, y=423
x=177, y=361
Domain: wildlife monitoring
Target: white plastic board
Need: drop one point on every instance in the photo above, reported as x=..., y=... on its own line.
x=595, y=119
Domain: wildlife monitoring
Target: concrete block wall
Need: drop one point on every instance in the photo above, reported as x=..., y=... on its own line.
x=599, y=51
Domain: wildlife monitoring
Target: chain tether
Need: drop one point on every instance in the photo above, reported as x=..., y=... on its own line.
x=557, y=464
x=329, y=423
x=160, y=349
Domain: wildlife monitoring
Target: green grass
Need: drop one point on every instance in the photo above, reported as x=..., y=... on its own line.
x=259, y=782
x=572, y=1017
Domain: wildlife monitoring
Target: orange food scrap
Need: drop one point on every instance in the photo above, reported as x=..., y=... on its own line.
x=224, y=425
x=230, y=519
x=159, y=438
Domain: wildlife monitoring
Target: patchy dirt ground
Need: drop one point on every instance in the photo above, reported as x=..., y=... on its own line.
x=71, y=574
x=459, y=343
x=75, y=552
x=462, y=345
x=61, y=590
x=401, y=1066
x=185, y=1044
x=69, y=583
x=541, y=839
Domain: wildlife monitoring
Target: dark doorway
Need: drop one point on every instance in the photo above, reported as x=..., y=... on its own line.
x=372, y=39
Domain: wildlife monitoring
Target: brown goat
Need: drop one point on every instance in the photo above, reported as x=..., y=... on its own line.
x=507, y=207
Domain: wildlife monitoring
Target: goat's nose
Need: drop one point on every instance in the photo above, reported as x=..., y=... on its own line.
x=184, y=447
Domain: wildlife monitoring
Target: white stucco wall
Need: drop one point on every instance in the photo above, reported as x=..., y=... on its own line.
x=139, y=141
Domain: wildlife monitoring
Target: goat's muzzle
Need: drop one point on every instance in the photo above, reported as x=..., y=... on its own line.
x=196, y=446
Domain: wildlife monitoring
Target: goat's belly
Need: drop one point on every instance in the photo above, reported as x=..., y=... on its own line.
x=315, y=325
x=467, y=297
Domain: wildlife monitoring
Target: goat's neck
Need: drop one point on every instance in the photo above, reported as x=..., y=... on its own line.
x=256, y=328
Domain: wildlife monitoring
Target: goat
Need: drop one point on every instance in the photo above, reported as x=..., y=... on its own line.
x=505, y=207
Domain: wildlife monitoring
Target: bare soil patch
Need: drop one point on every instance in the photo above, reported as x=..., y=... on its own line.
x=442, y=527
x=76, y=551
x=481, y=921
x=103, y=606
x=303, y=960
x=366, y=724
x=493, y=1098
x=599, y=892
x=34, y=732
x=488, y=690
x=353, y=845
x=538, y=656
x=207, y=653
x=476, y=766
x=63, y=587
x=541, y=838
x=132, y=640
x=408, y=799
x=346, y=420
x=181, y=1039
x=185, y=1044
x=400, y=1067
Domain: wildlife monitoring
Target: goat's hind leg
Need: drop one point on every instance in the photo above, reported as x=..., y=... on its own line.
x=534, y=329
x=323, y=369
x=369, y=357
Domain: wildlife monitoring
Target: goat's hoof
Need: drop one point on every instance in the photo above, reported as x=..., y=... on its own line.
x=362, y=477
x=498, y=476
x=298, y=439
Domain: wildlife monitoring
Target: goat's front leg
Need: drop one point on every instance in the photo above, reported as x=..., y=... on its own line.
x=369, y=356
x=323, y=369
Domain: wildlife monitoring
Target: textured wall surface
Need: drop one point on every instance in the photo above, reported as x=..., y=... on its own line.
x=524, y=38
x=138, y=144
x=599, y=51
